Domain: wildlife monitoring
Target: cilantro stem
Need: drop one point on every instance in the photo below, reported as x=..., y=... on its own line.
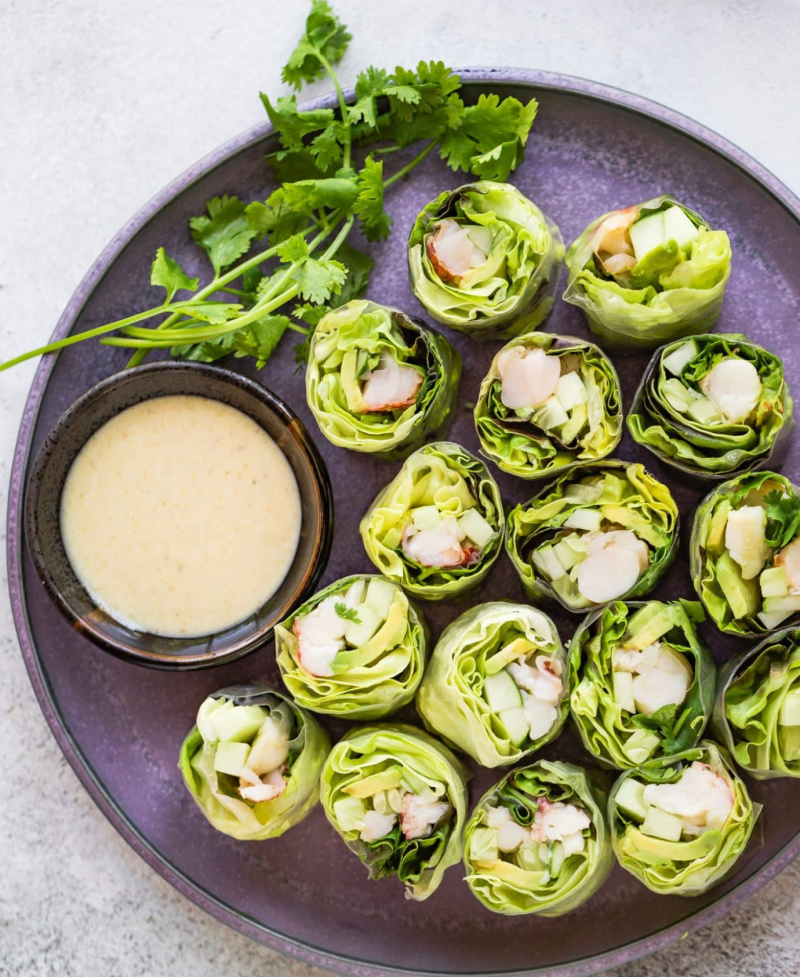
x=410, y=166
x=348, y=138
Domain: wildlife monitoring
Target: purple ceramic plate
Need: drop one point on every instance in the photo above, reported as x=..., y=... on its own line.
x=592, y=149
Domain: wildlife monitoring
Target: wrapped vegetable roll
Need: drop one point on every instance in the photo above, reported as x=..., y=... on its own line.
x=437, y=527
x=378, y=381
x=548, y=402
x=538, y=841
x=713, y=406
x=757, y=713
x=356, y=649
x=485, y=260
x=680, y=823
x=252, y=762
x=399, y=800
x=745, y=554
x=595, y=534
x=648, y=274
x=496, y=683
x=641, y=681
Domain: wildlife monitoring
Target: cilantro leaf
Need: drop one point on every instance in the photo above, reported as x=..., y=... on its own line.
x=258, y=339
x=319, y=278
x=224, y=232
x=368, y=206
x=662, y=722
x=275, y=217
x=308, y=196
x=168, y=274
x=348, y=613
x=359, y=267
x=490, y=137
x=783, y=518
x=293, y=249
x=325, y=37
x=293, y=126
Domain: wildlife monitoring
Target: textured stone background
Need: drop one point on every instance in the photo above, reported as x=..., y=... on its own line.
x=102, y=104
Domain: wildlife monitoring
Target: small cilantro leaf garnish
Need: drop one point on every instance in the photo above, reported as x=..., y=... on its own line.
x=348, y=613
x=490, y=137
x=168, y=274
x=224, y=232
x=368, y=206
x=783, y=518
x=325, y=39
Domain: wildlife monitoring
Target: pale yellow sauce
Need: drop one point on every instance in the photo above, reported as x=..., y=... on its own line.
x=180, y=516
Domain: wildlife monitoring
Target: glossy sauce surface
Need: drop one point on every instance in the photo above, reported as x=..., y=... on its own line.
x=180, y=516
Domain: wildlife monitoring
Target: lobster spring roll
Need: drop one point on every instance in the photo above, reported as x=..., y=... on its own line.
x=713, y=406
x=641, y=679
x=252, y=762
x=378, y=381
x=547, y=403
x=757, y=713
x=538, y=841
x=745, y=554
x=595, y=534
x=680, y=823
x=398, y=799
x=496, y=683
x=483, y=259
x=356, y=649
x=648, y=274
x=437, y=527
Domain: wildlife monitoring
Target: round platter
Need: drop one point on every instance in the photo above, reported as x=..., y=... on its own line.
x=592, y=149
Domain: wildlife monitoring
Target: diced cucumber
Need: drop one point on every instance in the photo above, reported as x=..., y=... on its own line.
x=774, y=583
x=501, y=692
x=567, y=556
x=359, y=633
x=483, y=845
x=547, y=563
x=774, y=620
x=703, y=411
x=205, y=717
x=380, y=594
x=475, y=527
x=681, y=357
x=587, y=519
x=678, y=227
x=239, y=724
x=556, y=858
x=782, y=605
x=660, y=824
x=680, y=398
x=571, y=391
x=789, y=739
x=231, y=757
x=529, y=859
x=349, y=813
x=623, y=691
x=647, y=234
x=790, y=709
x=515, y=723
x=355, y=593
x=630, y=798
x=640, y=746
x=426, y=517
x=481, y=237
x=551, y=414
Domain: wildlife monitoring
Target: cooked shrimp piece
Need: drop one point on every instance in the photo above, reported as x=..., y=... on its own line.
x=702, y=799
x=661, y=676
x=734, y=387
x=745, y=539
x=557, y=821
x=390, y=385
x=437, y=547
x=265, y=788
x=420, y=813
x=789, y=559
x=377, y=825
x=528, y=377
x=320, y=637
x=543, y=681
x=611, y=241
x=452, y=251
x=612, y=566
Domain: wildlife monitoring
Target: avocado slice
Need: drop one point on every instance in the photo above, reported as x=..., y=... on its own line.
x=743, y=596
x=348, y=376
x=715, y=537
x=648, y=625
x=388, y=635
x=390, y=779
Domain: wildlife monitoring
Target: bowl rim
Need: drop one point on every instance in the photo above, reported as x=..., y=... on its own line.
x=323, y=502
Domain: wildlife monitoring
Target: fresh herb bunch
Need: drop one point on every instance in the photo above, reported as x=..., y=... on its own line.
x=291, y=247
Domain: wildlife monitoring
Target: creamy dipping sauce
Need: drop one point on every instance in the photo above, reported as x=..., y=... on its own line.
x=180, y=516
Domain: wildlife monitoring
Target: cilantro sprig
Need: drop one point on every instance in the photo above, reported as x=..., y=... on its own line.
x=783, y=518
x=348, y=613
x=280, y=264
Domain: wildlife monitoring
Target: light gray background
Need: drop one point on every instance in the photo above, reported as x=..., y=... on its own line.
x=102, y=102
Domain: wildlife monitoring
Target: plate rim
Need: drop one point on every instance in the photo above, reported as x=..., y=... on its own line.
x=241, y=922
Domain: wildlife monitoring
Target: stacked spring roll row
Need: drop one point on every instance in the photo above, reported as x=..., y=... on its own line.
x=637, y=678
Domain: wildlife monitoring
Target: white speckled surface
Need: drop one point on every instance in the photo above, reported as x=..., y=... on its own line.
x=102, y=104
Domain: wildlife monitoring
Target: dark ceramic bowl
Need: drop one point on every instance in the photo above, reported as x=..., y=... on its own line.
x=74, y=428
